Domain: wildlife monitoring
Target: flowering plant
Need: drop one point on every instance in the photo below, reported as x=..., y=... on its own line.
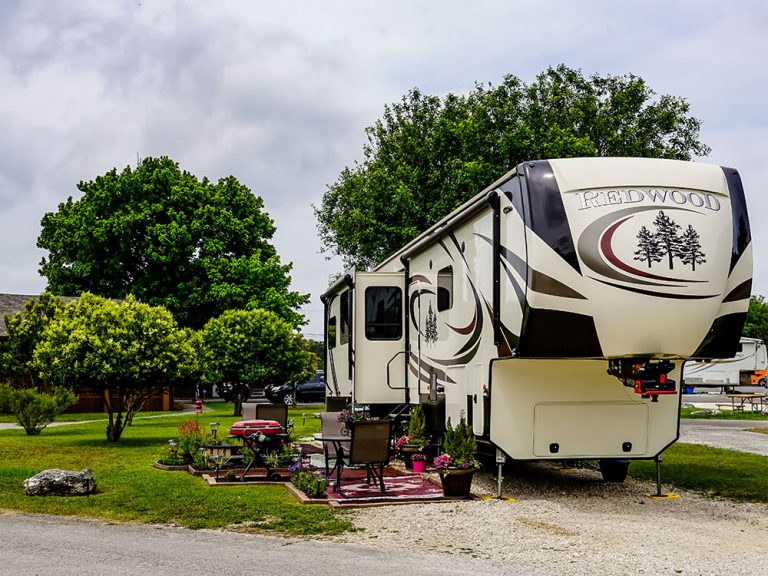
x=348, y=415
x=460, y=448
x=309, y=480
x=421, y=443
x=418, y=457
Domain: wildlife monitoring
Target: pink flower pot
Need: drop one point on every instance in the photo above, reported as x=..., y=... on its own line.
x=419, y=466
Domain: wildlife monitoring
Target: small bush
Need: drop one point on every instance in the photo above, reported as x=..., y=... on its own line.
x=169, y=457
x=309, y=480
x=34, y=410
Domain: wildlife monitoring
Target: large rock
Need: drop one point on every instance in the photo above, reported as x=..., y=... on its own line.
x=61, y=483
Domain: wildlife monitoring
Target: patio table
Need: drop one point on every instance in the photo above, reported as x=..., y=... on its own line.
x=338, y=445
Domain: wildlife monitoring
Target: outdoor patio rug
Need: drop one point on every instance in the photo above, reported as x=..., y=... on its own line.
x=400, y=489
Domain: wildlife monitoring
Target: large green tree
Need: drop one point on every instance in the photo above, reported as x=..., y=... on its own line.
x=427, y=154
x=248, y=349
x=24, y=330
x=756, y=325
x=128, y=350
x=196, y=247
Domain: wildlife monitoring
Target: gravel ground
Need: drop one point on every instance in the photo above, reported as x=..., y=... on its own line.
x=570, y=522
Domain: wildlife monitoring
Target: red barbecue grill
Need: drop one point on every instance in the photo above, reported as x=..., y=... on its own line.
x=263, y=437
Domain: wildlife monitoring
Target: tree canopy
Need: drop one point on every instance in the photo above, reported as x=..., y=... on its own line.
x=756, y=325
x=128, y=350
x=248, y=349
x=196, y=247
x=25, y=330
x=427, y=155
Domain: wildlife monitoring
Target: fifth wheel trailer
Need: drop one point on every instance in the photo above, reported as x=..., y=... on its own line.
x=554, y=309
x=746, y=368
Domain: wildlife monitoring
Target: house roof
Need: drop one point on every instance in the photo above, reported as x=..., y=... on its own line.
x=12, y=303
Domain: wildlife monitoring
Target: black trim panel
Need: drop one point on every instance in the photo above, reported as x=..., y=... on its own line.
x=742, y=235
x=722, y=340
x=547, y=217
x=558, y=334
x=742, y=292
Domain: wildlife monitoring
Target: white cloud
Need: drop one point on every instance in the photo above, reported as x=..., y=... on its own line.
x=279, y=95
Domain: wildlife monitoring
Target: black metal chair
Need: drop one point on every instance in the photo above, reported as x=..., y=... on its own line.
x=370, y=447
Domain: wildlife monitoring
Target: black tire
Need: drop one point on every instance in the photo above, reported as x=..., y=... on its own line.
x=614, y=470
x=289, y=400
x=763, y=382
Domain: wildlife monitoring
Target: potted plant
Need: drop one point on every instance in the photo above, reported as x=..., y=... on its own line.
x=419, y=461
x=413, y=446
x=350, y=415
x=457, y=464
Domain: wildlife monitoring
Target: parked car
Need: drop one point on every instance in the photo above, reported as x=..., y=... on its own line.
x=313, y=391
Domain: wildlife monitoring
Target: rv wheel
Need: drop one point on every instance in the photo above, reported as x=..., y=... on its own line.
x=614, y=470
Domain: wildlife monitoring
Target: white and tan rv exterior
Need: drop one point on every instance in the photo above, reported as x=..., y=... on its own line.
x=555, y=308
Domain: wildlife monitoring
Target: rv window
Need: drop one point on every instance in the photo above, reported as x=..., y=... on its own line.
x=445, y=289
x=344, y=318
x=332, y=332
x=383, y=313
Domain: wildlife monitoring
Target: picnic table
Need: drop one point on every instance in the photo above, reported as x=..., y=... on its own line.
x=755, y=402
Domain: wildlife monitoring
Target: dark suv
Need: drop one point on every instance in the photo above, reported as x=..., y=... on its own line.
x=313, y=391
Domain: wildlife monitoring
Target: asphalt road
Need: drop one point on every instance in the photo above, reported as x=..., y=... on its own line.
x=44, y=545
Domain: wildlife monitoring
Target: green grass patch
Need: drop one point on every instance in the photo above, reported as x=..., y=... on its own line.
x=132, y=490
x=712, y=471
x=703, y=414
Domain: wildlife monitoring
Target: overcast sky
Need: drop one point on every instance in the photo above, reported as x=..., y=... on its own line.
x=278, y=94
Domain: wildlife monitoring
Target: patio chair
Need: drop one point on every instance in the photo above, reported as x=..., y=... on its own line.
x=330, y=428
x=277, y=412
x=369, y=447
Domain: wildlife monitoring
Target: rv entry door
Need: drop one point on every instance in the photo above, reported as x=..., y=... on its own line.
x=379, y=338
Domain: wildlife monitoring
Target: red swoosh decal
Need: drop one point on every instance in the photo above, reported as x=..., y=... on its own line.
x=607, y=250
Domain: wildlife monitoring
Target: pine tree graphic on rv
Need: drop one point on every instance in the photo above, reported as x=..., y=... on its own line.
x=666, y=240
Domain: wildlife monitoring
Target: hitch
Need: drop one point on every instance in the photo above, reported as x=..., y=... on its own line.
x=646, y=377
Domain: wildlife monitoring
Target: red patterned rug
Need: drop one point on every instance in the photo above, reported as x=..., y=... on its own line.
x=399, y=489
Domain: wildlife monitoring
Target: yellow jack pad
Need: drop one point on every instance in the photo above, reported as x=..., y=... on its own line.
x=503, y=498
x=664, y=496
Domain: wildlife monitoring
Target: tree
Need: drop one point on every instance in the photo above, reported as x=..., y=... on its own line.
x=667, y=236
x=427, y=155
x=128, y=350
x=689, y=250
x=647, y=247
x=196, y=247
x=756, y=325
x=24, y=330
x=35, y=410
x=248, y=349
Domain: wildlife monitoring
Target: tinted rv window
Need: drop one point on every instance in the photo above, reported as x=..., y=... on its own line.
x=344, y=318
x=383, y=313
x=332, y=332
x=445, y=288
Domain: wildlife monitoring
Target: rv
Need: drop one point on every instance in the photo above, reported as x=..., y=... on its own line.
x=746, y=368
x=554, y=309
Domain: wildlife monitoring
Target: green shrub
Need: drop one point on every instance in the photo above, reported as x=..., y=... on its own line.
x=169, y=457
x=34, y=410
x=309, y=480
x=460, y=443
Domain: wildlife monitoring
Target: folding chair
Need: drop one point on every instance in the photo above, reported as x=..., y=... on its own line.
x=330, y=428
x=277, y=412
x=369, y=447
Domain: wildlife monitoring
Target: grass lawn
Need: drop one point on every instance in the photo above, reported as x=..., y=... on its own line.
x=713, y=471
x=132, y=490
x=699, y=413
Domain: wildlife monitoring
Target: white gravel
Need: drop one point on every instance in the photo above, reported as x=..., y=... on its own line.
x=570, y=522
